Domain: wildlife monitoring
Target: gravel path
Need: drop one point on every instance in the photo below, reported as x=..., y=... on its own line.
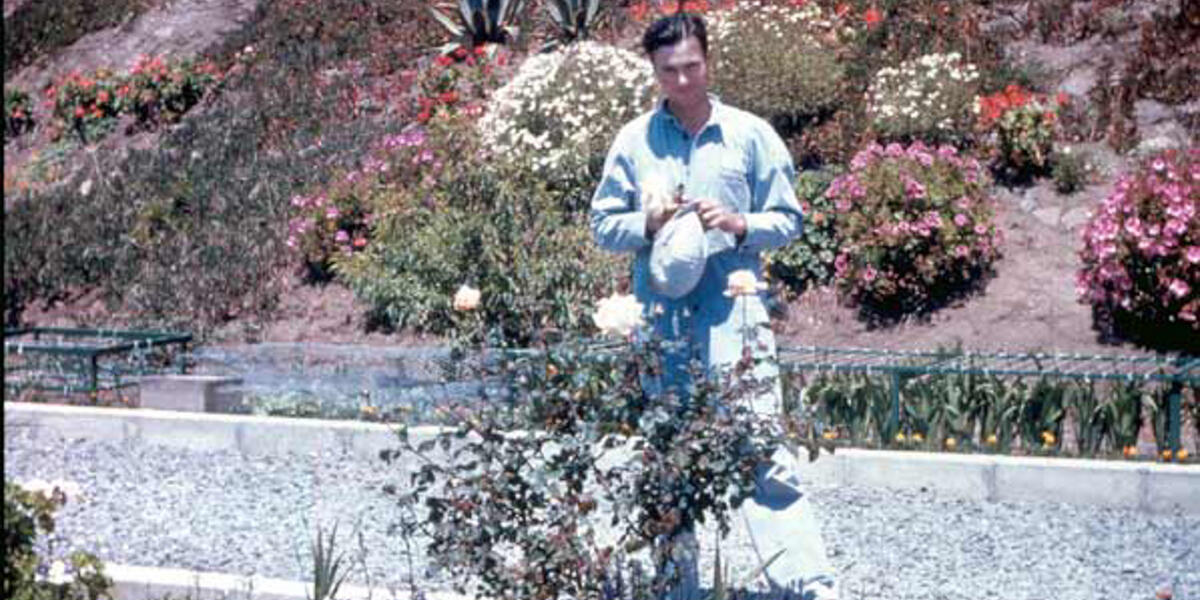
x=220, y=511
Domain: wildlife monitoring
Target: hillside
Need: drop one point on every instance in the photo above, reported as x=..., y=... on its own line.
x=1029, y=304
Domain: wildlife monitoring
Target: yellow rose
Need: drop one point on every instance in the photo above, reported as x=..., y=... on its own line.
x=743, y=283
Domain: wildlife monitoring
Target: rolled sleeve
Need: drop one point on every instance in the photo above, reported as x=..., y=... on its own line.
x=775, y=218
x=617, y=221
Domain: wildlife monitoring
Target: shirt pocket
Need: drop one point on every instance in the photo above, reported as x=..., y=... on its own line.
x=734, y=187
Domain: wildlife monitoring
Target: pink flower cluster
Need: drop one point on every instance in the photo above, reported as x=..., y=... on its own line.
x=1141, y=249
x=914, y=223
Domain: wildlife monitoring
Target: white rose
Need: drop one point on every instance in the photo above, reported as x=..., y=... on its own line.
x=618, y=314
x=466, y=298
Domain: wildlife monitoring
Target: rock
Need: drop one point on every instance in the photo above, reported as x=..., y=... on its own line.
x=1048, y=215
x=1028, y=203
x=1075, y=218
x=1079, y=82
x=1164, y=135
x=1150, y=112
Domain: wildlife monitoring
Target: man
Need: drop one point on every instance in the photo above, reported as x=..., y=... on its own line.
x=735, y=172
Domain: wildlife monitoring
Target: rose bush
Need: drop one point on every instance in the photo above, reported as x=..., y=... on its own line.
x=914, y=228
x=1141, y=253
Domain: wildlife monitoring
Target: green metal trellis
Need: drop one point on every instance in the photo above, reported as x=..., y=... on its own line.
x=74, y=360
x=1175, y=371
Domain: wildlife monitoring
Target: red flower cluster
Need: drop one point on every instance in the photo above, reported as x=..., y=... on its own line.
x=442, y=83
x=873, y=17
x=992, y=107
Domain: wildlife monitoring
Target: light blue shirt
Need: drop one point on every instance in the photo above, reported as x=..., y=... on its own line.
x=736, y=159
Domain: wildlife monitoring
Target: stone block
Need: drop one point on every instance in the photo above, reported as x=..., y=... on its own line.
x=191, y=393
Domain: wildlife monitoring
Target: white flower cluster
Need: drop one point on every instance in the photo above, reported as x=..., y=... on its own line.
x=801, y=75
x=567, y=104
x=932, y=94
x=776, y=19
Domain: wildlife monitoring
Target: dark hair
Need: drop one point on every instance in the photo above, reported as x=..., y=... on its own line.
x=671, y=30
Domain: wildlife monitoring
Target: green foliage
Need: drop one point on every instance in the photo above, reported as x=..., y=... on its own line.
x=989, y=413
x=914, y=229
x=328, y=566
x=37, y=29
x=18, y=113
x=501, y=230
x=808, y=261
x=159, y=91
x=574, y=20
x=478, y=22
x=188, y=233
x=1070, y=170
x=803, y=76
x=29, y=514
x=551, y=488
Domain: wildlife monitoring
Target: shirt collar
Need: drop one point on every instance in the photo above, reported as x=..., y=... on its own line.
x=714, y=119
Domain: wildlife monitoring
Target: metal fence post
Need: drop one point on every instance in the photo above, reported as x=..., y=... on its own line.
x=1174, y=416
x=895, y=400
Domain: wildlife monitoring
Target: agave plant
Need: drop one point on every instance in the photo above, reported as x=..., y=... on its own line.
x=479, y=22
x=575, y=19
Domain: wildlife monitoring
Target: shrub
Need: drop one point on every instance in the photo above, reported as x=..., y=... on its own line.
x=802, y=76
x=1024, y=125
x=160, y=91
x=808, y=261
x=504, y=232
x=18, y=113
x=89, y=104
x=459, y=80
x=914, y=228
x=1141, y=253
x=28, y=515
x=554, y=488
x=931, y=98
x=566, y=106
x=1070, y=170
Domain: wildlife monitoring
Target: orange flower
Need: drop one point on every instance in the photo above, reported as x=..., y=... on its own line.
x=1166, y=454
x=1129, y=451
x=638, y=11
x=359, y=242
x=872, y=17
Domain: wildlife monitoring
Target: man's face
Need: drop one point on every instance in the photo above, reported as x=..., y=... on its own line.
x=682, y=72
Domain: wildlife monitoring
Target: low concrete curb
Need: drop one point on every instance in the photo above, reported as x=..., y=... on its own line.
x=154, y=583
x=1100, y=483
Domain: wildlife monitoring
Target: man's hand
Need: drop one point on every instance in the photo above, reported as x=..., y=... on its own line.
x=660, y=207
x=715, y=215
